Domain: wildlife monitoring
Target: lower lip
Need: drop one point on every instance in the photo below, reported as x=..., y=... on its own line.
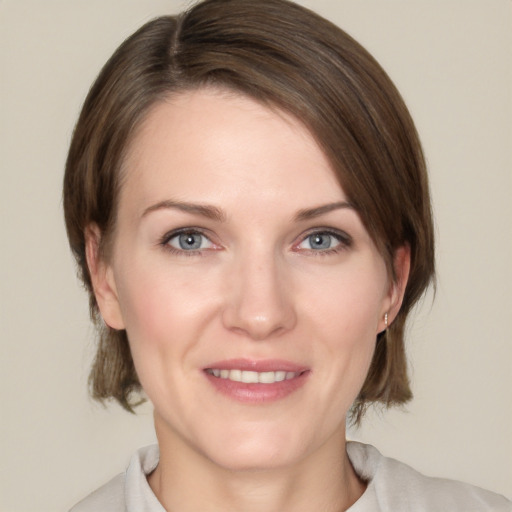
x=257, y=393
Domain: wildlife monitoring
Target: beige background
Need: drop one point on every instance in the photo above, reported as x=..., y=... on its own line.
x=452, y=61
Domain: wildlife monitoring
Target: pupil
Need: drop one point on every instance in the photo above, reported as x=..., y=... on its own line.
x=190, y=241
x=320, y=241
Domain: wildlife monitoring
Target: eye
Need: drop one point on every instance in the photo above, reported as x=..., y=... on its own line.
x=319, y=241
x=324, y=241
x=188, y=241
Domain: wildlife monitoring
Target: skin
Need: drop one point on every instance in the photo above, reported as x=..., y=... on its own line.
x=259, y=287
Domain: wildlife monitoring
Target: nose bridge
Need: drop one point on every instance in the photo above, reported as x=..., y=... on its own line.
x=259, y=302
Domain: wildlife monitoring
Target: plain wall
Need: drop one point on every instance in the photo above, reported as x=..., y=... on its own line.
x=451, y=59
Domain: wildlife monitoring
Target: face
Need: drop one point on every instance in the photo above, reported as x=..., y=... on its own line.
x=249, y=288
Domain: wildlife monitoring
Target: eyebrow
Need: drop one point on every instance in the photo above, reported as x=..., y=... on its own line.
x=210, y=212
x=310, y=213
x=216, y=214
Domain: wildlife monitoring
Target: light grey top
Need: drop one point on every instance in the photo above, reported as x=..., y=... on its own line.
x=392, y=487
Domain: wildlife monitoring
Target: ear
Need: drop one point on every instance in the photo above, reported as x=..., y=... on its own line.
x=401, y=268
x=102, y=278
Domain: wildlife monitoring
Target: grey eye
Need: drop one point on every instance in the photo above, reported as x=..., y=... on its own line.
x=191, y=241
x=324, y=241
x=320, y=241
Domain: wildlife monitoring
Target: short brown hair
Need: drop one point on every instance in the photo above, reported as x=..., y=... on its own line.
x=284, y=56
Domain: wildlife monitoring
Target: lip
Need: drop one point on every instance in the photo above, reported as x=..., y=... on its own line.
x=263, y=365
x=257, y=393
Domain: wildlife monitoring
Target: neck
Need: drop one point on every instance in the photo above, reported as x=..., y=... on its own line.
x=186, y=481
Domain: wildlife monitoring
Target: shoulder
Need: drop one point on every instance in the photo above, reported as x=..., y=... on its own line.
x=109, y=497
x=128, y=491
x=396, y=486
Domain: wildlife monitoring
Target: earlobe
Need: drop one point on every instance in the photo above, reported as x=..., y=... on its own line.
x=103, y=281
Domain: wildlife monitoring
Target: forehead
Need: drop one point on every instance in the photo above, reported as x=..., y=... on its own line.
x=208, y=144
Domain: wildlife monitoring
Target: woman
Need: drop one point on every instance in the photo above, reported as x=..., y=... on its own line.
x=246, y=197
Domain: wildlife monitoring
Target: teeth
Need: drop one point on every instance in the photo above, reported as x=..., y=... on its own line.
x=235, y=375
x=250, y=377
x=280, y=376
x=267, y=377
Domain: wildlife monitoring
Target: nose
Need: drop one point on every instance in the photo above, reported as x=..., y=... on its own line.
x=260, y=300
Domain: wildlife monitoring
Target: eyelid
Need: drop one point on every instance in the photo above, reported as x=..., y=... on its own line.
x=344, y=239
x=168, y=236
x=341, y=236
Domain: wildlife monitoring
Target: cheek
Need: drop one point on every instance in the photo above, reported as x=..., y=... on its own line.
x=160, y=299
x=349, y=302
x=344, y=317
x=162, y=309
x=165, y=310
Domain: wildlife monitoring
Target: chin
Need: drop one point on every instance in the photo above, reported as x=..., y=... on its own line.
x=256, y=448
x=257, y=459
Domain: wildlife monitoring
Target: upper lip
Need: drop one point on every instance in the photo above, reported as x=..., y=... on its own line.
x=262, y=365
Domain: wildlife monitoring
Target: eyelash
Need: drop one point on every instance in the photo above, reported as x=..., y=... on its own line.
x=164, y=242
x=345, y=241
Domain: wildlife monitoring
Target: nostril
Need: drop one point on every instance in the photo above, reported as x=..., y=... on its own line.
x=258, y=325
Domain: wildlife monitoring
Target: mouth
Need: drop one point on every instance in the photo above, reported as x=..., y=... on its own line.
x=252, y=377
x=256, y=381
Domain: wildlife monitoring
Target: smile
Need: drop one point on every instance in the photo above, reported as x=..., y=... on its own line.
x=252, y=377
x=256, y=381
